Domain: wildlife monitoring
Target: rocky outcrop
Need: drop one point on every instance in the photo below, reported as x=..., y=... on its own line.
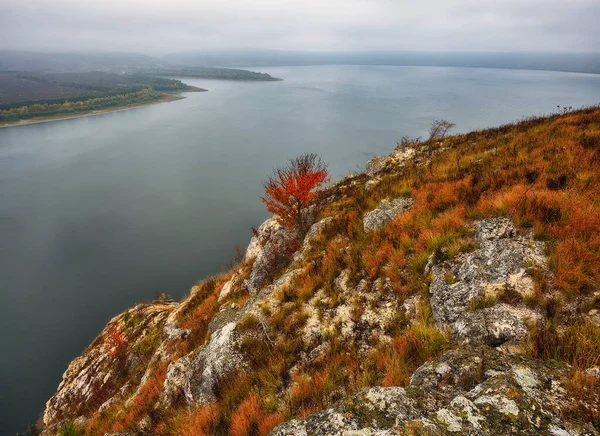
x=386, y=210
x=195, y=377
x=313, y=233
x=269, y=250
x=477, y=296
x=360, y=328
x=401, y=155
x=475, y=391
x=258, y=241
x=398, y=158
x=100, y=373
x=376, y=164
x=464, y=286
x=278, y=246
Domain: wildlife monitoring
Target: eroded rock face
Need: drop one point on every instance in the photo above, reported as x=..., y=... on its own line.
x=231, y=286
x=500, y=265
x=97, y=376
x=378, y=312
x=195, y=377
x=376, y=164
x=402, y=154
x=313, y=233
x=277, y=247
x=197, y=374
x=476, y=391
x=398, y=159
x=264, y=232
x=386, y=210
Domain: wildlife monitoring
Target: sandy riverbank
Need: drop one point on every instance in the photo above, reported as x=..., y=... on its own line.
x=164, y=99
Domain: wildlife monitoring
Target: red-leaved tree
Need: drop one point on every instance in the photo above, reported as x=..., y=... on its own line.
x=290, y=189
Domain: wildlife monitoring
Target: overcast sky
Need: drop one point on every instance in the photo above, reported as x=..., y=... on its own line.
x=162, y=26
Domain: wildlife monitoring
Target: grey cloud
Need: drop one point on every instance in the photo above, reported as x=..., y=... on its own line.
x=161, y=26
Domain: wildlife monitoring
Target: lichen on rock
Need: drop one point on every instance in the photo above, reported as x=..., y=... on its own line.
x=472, y=390
x=386, y=210
x=97, y=376
x=499, y=264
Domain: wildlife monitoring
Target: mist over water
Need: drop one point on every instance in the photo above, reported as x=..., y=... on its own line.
x=102, y=212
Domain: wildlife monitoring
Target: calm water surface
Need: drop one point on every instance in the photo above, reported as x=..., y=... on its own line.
x=99, y=213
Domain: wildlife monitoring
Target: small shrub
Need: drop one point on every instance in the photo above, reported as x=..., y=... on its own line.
x=509, y=295
x=249, y=322
x=69, y=429
x=289, y=190
x=487, y=300
x=409, y=350
x=439, y=129
x=115, y=342
x=578, y=345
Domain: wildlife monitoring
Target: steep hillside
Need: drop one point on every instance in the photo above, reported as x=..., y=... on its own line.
x=453, y=287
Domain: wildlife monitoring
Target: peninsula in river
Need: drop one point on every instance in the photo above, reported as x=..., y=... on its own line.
x=28, y=97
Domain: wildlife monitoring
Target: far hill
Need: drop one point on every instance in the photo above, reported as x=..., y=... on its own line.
x=573, y=62
x=212, y=73
x=74, y=62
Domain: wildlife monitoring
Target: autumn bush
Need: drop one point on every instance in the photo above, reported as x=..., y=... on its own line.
x=115, y=341
x=290, y=189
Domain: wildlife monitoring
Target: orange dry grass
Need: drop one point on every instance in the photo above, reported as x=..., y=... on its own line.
x=244, y=420
x=197, y=422
x=407, y=352
x=248, y=419
x=126, y=418
x=203, y=312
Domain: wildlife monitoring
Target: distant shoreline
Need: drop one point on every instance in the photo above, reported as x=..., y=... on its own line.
x=166, y=98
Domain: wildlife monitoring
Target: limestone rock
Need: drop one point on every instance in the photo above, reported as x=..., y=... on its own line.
x=278, y=246
x=93, y=378
x=196, y=375
x=402, y=155
x=386, y=210
x=376, y=164
x=234, y=283
x=264, y=232
x=366, y=411
x=371, y=183
x=360, y=314
x=476, y=391
x=500, y=264
x=313, y=233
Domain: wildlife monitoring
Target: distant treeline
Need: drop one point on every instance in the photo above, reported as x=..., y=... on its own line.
x=100, y=91
x=44, y=109
x=213, y=73
x=99, y=81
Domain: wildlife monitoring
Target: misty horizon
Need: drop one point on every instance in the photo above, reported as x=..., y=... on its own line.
x=431, y=26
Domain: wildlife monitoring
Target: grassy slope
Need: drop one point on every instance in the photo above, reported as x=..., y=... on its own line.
x=544, y=173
